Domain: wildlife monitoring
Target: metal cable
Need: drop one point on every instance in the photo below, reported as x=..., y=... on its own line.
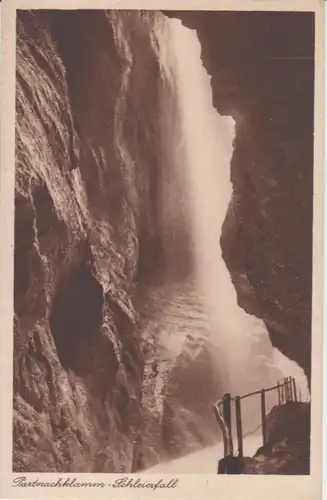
x=253, y=431
x=248, y=433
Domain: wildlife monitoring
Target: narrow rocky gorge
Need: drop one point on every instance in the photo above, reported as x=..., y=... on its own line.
x=88, y=243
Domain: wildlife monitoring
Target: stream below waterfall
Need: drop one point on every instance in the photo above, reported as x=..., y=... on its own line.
x=204, y=461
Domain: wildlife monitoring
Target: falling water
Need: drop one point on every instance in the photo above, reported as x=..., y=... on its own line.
x=204, y=156
x=196, y=298
x=196, y=194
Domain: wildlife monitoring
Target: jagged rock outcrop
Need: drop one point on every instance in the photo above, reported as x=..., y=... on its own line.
x=78, y=361
x=192, y=387
x=177, y=405
x=262, y=73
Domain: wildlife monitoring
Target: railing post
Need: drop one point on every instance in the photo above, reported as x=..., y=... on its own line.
x=278, y=392
x=294, y=389
x=224, y=431
x=290, y=382
x=286, y=390
x=263, y=415
x=228, y=418
x=291, y=389
x=227, y=410
x=281, y=390
x=239, y=425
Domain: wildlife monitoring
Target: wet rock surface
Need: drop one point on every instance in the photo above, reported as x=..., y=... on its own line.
x=86, y=239
x=78, y=361
x=287, y=450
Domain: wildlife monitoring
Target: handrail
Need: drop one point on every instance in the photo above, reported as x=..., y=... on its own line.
x=287, y=392
x=259, y=391
x=227, y=437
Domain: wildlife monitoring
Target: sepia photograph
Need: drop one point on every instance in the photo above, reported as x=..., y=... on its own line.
x=163, y=242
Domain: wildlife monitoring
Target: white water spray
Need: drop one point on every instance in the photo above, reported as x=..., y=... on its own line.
x=203, y=160
x=207, y=139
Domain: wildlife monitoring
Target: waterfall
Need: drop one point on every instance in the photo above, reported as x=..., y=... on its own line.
x=202, y=167
x=196, y=193
x=191, y=321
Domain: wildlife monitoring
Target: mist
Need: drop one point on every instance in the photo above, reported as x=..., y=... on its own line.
x=196, y=192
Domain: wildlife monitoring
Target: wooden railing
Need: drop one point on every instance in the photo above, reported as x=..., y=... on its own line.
x=286, y=391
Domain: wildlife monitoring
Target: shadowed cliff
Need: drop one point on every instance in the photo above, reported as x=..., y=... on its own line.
x=88, y=159
x=78, y=363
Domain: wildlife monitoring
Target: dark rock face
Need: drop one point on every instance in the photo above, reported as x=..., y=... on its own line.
x=88, y=159
x=262, y=69
x=287, y=449
x=288, y=445
x=78, y=361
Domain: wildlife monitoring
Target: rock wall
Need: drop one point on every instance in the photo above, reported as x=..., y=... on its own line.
x=262, y=73
x=287, y=450
x=82, y=204
x=87, y=241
